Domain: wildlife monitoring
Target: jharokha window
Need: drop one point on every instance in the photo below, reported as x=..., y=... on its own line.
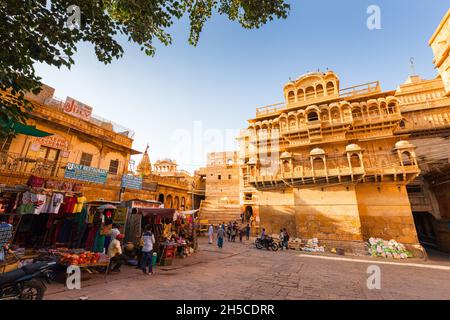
x=86, y=159
x=113, y=167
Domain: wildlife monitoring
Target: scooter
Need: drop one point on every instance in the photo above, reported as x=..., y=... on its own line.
x=26, y=283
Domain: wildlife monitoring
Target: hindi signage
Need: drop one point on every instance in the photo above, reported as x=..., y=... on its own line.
x=77, y=109
x=53, y=141
x=131, y=182
x=85, y=173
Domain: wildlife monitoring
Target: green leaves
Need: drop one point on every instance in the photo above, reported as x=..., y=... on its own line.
x=32, y=32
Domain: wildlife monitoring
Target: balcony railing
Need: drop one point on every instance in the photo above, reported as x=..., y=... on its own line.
x=362, y=89
x=378, y=164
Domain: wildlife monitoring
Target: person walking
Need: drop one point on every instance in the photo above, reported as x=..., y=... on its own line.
x=241, y=234
x=286, y=239
x=233, y=233
x=281, y=239
x=210, y=234
x=247, y=232
x=147, y=250
x=220, y=236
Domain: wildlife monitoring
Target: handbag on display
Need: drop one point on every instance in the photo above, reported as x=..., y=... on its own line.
x=35, y=182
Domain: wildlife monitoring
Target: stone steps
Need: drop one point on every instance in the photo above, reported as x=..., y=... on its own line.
x=217, y=214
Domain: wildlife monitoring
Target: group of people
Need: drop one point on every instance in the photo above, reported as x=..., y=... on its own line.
x=230, y=231
x=117, y=258
x=283, y=237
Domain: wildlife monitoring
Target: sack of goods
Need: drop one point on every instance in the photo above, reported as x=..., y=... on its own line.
x=388, y=249
x=312, y=245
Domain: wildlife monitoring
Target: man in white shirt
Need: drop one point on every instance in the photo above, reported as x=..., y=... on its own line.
x=148, y=240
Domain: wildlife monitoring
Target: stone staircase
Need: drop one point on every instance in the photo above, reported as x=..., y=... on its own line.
x=217, y=213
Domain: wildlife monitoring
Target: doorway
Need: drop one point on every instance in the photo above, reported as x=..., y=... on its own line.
x=248, y=213
x=424, y=222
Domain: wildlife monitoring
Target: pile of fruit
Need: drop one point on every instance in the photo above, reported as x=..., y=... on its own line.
x=86, y=257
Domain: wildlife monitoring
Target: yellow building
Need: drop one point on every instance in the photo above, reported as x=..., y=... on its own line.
x=440, y=44
x=81, y=138
x=222, y=189
x=326, y=163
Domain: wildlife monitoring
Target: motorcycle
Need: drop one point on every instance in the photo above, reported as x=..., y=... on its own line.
x=26, y=283
x=269, y=243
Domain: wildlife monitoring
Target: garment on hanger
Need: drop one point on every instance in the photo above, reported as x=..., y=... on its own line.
x=69, y=204
x=79, y=205
x=55, y=203
x=39, y=201
x=26, y=206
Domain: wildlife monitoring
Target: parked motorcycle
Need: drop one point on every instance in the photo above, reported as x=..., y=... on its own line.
x=26, y=283
x=269, y=243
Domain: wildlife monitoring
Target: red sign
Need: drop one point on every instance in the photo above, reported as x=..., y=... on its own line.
x=54, y=141
x=77, y=109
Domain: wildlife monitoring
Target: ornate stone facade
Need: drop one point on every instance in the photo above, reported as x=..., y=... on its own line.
x=327, y=164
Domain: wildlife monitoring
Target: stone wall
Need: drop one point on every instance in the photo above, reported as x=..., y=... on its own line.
x=385, y=212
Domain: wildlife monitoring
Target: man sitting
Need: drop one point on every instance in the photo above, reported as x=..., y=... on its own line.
x=115, y=253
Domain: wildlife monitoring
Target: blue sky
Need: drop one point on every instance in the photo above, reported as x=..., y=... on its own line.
x=187, y=101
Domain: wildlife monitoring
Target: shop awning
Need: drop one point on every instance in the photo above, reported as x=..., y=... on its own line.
x=25, y=129
x=159, y=212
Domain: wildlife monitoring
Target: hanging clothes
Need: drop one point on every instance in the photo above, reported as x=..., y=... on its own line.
x=89, y=245
x=79, y=205
x=55, y=203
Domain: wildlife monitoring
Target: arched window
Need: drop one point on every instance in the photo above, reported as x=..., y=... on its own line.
x=286, y=166
x=374, y=111
x=335, y=115
x=402, y=124
x=357, y=114
x=406, y=158
x=330, y=88
x=318, y=164
x=310, y=94
x=161, y=198
x=319, y=91
x=313, y=116
x=355, y=161
x=392, y=107
x=300, y=95
x=291, y=97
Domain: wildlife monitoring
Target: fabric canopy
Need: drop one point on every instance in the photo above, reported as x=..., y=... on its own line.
x=160, y=212
x=29, y=130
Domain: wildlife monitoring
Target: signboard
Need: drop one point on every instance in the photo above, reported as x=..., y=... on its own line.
x=77, y=109
x=149, y=186
x=120, y=215
x=53, y=141
x=131, y=182
x=85, y=173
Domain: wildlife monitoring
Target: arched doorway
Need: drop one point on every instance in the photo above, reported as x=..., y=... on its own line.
x=248, y=213
x=161, y=198
x=169, y=202
x=177, y=203
x=183, y=203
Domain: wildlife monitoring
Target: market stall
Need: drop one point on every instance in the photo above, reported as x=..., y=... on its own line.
x=173, y=230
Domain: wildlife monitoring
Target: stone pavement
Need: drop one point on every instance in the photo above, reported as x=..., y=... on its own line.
x=240, y=271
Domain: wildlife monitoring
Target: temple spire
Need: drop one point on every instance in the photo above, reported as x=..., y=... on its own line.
x=145, y=167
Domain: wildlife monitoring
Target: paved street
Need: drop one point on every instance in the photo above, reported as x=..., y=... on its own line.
x=240, y=271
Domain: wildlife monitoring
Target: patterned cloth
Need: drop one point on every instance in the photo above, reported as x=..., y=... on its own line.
x=5, y=233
